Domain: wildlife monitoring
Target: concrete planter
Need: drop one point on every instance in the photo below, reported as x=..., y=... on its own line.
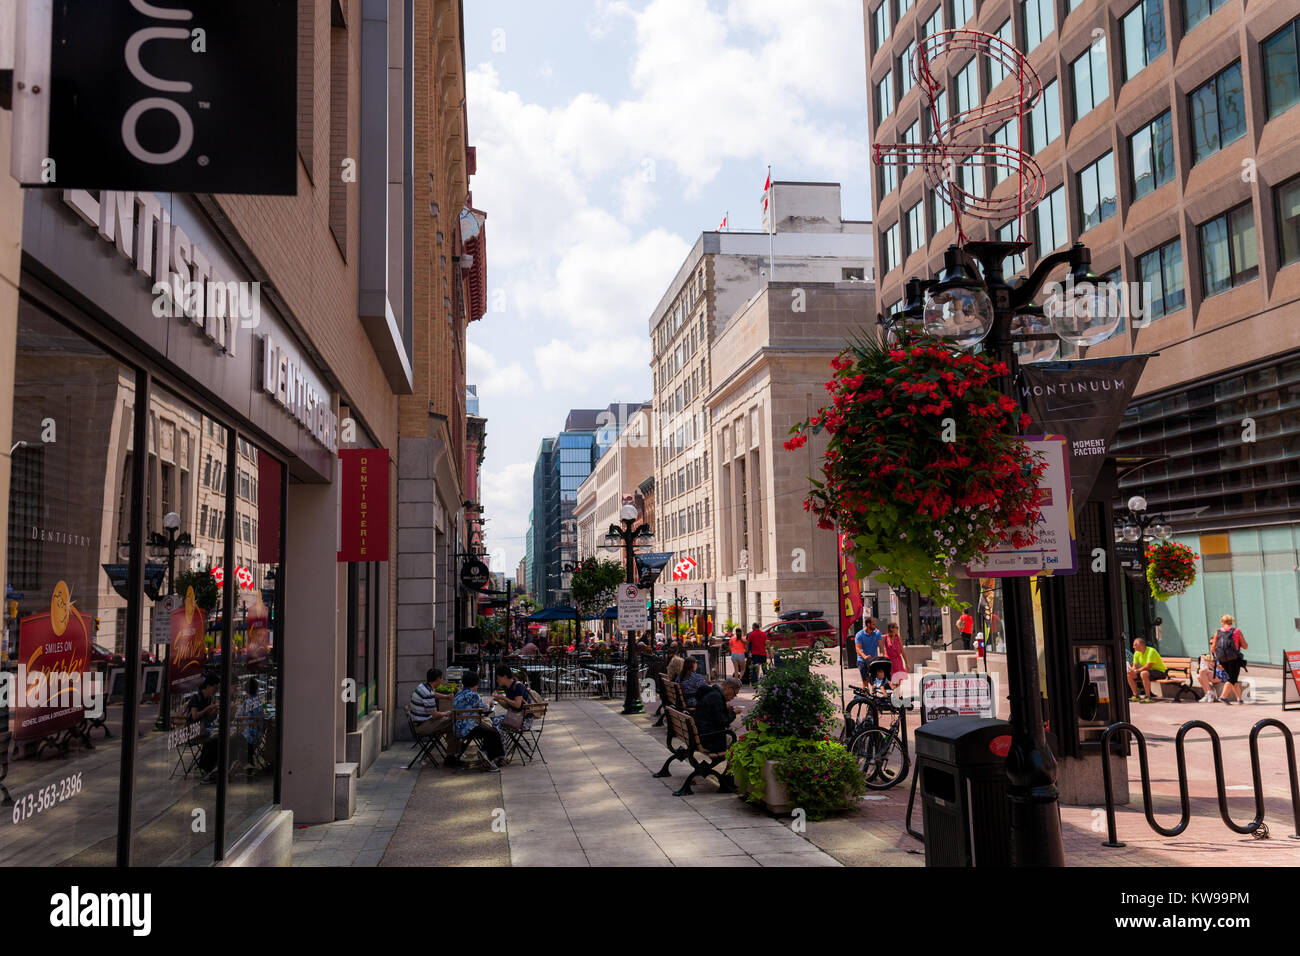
x=775, y=798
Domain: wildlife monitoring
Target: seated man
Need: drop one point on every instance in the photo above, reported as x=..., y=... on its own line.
x=1147, y=666
x=252, y=718
x=202, y=708
x=512, y=694
x=713, y=714
x=428, y=720
x=491, y=748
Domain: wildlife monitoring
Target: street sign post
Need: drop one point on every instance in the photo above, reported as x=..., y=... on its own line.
x=632, y=614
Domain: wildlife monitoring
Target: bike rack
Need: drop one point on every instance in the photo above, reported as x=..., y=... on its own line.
x=1256, y=826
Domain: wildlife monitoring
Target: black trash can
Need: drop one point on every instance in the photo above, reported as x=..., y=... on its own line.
x=961, y=773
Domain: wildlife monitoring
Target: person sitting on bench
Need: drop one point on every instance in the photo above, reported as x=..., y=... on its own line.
x=1147, y=666
x=713, y=714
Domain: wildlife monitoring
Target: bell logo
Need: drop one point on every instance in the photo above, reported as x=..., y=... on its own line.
x=131, y=121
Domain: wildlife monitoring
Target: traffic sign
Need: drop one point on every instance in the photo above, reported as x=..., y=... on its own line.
x=632, y=614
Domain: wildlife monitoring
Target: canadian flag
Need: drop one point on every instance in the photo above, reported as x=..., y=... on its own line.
x=244, y=577
x=767, y=202
x=682, y=569
x=723, y=224
x=218, y=575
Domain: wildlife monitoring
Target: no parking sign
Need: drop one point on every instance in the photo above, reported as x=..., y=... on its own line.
x=632, y=613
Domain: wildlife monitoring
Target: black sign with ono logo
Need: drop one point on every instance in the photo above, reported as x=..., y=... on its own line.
x=182, y=96
x=475, y=575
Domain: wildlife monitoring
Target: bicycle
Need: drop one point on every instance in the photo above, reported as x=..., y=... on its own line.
x=861, y=713
x=882, y=752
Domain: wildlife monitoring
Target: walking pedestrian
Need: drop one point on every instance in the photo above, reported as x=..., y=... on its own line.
x=738, y=655
x=966, y=627
x=892, y=646
x=867, y=645
x=757, y=654
x=1229, y=642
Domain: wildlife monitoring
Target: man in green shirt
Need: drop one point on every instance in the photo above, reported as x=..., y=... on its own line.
x=1147, y=666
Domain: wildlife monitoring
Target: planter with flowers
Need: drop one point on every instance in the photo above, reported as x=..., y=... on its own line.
x=786, y=759
x=1171, y=569
x=923, y=469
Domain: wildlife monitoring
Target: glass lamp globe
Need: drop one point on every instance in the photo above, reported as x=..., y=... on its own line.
x=963, y=316
x=1132, y=532
x=1137, y=503
x=1162, y=531
x=1085, y=312
x=1034, y=350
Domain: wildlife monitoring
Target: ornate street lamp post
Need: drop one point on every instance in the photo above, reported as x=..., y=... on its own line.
x=626, y=534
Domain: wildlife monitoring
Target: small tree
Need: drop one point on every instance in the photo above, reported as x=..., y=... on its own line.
x=594, y=584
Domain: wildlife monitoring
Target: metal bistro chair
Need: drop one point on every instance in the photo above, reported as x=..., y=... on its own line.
x=476, y=715
x=188, y=750
x=527, y=742
x=428, y=747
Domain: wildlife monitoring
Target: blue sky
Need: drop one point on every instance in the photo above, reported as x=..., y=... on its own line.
x=610, y=133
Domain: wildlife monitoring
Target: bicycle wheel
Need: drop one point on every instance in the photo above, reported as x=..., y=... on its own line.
x=859, y=715
x=881, y=756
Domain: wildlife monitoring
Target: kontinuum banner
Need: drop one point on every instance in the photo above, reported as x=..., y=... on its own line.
x=1085, y=401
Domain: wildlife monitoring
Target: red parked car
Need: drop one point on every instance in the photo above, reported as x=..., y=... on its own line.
x=805, y=632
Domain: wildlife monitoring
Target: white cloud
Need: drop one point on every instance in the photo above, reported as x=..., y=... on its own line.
x=492, y=378
x=507, y=496
x=614, y=366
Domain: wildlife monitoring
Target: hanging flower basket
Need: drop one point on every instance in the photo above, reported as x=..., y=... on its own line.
x=923, y=470
x=1171, y=569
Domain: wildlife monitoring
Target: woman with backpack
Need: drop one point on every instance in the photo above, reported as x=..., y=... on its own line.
x=1228, y=645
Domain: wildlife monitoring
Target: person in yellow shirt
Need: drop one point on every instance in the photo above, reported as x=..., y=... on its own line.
x=1147, y=666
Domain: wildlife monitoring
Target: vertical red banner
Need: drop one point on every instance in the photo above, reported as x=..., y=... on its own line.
x=850, y=589
x=269, y=475
x=187, y=648
x=364, y=504
x=53, y=660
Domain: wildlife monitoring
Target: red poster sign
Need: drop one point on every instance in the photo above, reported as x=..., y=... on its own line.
x=53, y=659
x=1291, y=664
x=187, y=648
x=258, y=644
x=364, y=493
x=850, y=590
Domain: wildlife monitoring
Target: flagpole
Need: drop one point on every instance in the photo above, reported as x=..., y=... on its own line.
x=771, y=225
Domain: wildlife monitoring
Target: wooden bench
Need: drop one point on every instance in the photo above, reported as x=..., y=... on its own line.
x=1180, y=673
x=682, y=726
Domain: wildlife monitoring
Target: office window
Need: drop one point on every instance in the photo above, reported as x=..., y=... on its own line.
x=935, y=24
x=1097, y=191
x=884, y=97
x=903, y=7
x=1194, y=11
x=1143, y=31
x=968, y=87
x=1151, y=152
x=1014, y=264
x=916, y=228
x=1218, y=112
x=893, y=259
x=1281, y=63
x=1160, y=278
x=998, y=72
x=1228, y=254
x=888, y=179
x=905, y=81
x=1040, y=21
x=912, y=137
x=942, y=214
x=880, y=24
x=1091, y=85
x=1287, y=197
x=962, y=10
x=1049, y=222
x=972, y=179
x=1045, y=118
x=1008, y=136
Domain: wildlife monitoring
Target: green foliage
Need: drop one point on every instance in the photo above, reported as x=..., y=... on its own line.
x=447, y=689
x=745, y=758
x=594, y=584
x=793, y=701
x=820, y=776
x=206, y=592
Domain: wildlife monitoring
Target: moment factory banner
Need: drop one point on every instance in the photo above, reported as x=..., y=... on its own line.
x=1084, y=401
